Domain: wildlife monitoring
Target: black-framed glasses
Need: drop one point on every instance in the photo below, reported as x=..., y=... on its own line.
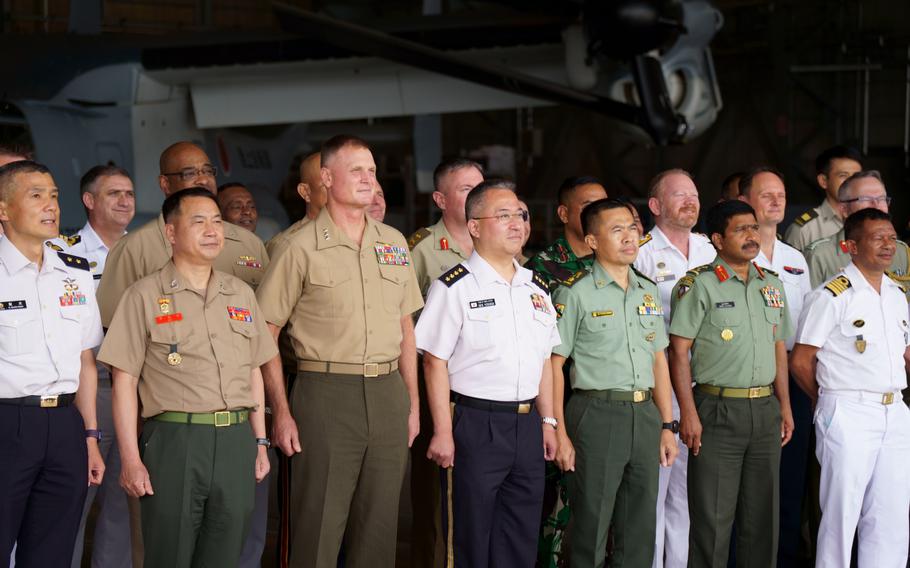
x=504, y=218
x=189, y=174
x=886, y=199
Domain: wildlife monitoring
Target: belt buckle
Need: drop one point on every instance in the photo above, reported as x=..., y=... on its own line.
x=638, y=396
x=755, y=392
x=222, y=418
x=524, y=408
x=888, y=398
x=49, y=401
x=370, y=370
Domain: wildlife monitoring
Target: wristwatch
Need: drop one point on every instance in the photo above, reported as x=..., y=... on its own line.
x=671, y=426
x=550, y=420
x=264, y=442
x=91, y=433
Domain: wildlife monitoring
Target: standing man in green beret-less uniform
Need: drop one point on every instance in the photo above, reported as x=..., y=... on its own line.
x=731, y=316
x=611, y=318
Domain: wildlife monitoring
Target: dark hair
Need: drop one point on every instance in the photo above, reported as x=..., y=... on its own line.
x=331, y=146
x=731, y=183
x=476, y=196
x=745, y=181
x=850, y=181
x=171, y=205
x=854, y=222
x=17, y=149
x=452, y=165
x=229, y=185
x=718, y=216
x=12, y=169
x=823, y=161
x=87, y=183
x=568, y=186
x=656, y=181
x=591, y=211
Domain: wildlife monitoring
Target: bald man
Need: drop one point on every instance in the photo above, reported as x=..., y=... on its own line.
x=311, y=190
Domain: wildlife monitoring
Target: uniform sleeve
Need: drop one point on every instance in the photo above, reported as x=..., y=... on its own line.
x=661, y=339
x=786, y=328
x=419, y=261
x=92, y=334
x=121, y=269
x=282, y=285
x=688, y=310
x=263, y=252
x=818, y=319
x=440, y=323
x=262, y=347
x=567, y=304
x=126, y=342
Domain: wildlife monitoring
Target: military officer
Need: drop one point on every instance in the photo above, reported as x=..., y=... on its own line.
x=832, y=167
x=49, y=325
x=191, y=339
x=435, y=250
x=346, y=288
x=309, y=189
x=731, y=316
x=665, y=254
x=611, y=319
x=827, y=256
x=851, y=355
x=486, y=336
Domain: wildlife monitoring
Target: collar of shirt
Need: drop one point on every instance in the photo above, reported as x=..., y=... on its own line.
x=486, y=274
x=753, y=270
x=858, y=281
x=602, y=278
x=14, y=260
x=661, y=242
x=328, y=234
x=171, y=282
x=91, y=239
x=439, y=232
x=827, y=213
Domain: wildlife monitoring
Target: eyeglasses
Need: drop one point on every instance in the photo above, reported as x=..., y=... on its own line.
x=189, y=174
x=504, y=218
x=869, y=200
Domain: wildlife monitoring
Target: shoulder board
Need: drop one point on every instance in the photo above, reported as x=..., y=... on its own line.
x=454, y=275
x=53, y=246
x=418, y=236
x=769, y=271
x=540, y=281
x=73, y=261
x=899, y=280
x=572, y=280
x=645, y=239
x=838, y=286
x=700, y=269
x=806, y=217
x=643, y=276
x=71, y=240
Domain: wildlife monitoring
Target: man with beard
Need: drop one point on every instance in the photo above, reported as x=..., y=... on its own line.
x=731, y=316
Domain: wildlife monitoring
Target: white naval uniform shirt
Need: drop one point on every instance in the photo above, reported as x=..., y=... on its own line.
x=495, y=335
x=89, y=247
x=662, y=262
x=834, y=324
x=49, y=317
x=790, y=265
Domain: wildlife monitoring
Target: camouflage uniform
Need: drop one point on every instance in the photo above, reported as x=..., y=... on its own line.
x=557, y=263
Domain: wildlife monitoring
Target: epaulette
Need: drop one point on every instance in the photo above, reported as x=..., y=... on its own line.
x=455, y=274
x=806, y=217
x=769, y=271
x=838, y=286
x=73, y=261
x=540, y=281
x=571, y=280
x=643, y=276
x=71, y=240
x=418, y=236
x=645, y=240
x=699, y=269
x=901, y=281
x=53, y=246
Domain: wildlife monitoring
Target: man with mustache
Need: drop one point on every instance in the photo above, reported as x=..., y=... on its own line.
x=731, y=316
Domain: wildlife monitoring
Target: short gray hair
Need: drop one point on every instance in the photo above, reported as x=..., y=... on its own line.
x=848, y=184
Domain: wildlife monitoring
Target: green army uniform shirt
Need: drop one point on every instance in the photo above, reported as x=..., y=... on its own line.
x=826, y=257
x=734, y=323
x=612, y=334
x=433, y=252
x=557, y=263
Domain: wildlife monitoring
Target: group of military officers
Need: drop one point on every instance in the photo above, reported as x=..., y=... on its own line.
x=660, y=374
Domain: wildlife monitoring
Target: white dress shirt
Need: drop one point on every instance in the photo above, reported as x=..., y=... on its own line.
x=90, y=247
x=49, y=316
x=790, y=265
x=495, y=335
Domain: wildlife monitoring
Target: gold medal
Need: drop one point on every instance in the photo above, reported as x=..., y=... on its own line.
x=648, y=298
x=174, y=359
x=859, y=323
x=726, y=334
x=860, y=344
x=650, y=336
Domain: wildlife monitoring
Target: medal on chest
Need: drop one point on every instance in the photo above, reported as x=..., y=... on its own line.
x=649, y=307
x=249, y=262
x=540, y=303
x=392, y=254
x=71, y=294
x=772, y=297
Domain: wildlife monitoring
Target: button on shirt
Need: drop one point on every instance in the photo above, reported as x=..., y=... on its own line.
x=219, y=333
x=662, y=262
x=605, y=327
x=48, y=317
x=834, y=324
x=495, y=335
x=792, y=269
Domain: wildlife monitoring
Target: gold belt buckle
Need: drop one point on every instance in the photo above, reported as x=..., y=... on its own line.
x=638, y=396
x=888, y=398
x=524, y=408
x=51, y=401
x=371, y=369
x=222, y=418
x=755, y=392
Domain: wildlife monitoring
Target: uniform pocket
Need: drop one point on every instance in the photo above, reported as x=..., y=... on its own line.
x=20, y=335
x=330, y=287
x=479, y=324
x=393, y=280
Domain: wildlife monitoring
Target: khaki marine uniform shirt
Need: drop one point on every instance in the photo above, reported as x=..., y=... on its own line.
x=279, y=242
x=145, y=250
x=434, y=252
x=812, y=225
x=193, y=351
x=826, y=257
x=343, y=303
x=735, y=324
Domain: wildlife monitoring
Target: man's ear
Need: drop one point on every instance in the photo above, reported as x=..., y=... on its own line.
x=822, y=181
x=440, y=200
x=326, y=175
x=563, y=213
x=852, y=249
x=654, y=206
x=474, y=228
x=170, y=232
x=164, y=184
x=303, y=190
x=88, y=200
x=717, y=240
x=591, y=241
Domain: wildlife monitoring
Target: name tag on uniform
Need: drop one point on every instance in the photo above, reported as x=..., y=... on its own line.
x=239, y=314
x=391, y=254
x=725, y=304
x=168, y=318
x=665, y=278
x=12, y=305
x=488, y=303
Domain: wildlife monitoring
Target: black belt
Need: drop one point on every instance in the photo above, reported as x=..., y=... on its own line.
x=517, y=407
x=50, y=401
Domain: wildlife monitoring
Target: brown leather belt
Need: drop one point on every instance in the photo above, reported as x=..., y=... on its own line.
x=362, y=370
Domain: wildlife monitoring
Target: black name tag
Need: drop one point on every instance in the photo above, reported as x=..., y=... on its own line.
x=12, y=305
x=489, y=302
x=724, y=305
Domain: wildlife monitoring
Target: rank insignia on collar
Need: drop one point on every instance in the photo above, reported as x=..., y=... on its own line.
x=239, y=314
x=443, y=244
x=71, y=294
x=772, y=297
x=392, y=254
x=721, y=272
x=249, y=262
x=540, y=303
x=761, y=273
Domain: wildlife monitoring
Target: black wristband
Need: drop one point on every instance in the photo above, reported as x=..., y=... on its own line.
x=671, y=426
